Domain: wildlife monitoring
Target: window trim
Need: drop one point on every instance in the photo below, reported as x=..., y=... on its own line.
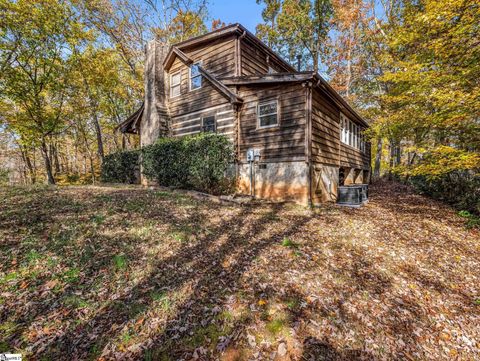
x=265, y=102
x=190, y=77
x=179, y=84
x=351, y=134
x=214, y=123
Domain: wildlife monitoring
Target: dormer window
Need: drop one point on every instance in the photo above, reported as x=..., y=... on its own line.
x=195, y=77
x=175, y=80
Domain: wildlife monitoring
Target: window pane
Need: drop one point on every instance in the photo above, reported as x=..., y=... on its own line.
x=268, y=120
x=176, y=90
x=175, y=79
x=194, y=71
x=196, y=82
x=267, y=108
x=350, y=141
x=209, y=124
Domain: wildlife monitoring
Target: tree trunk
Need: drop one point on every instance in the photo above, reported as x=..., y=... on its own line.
x=56, y=161
x=378, y=159
x=28, y=163
x=48, y=163
x=98, y=131
x=96, y=122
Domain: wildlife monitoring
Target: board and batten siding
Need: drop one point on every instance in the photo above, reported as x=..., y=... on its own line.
x=219, y=59
x=285, y=142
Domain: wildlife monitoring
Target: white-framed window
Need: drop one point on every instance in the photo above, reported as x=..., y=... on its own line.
x=209, y=124
x=267, y=114
x=195, y=76
x=175, y=84
x=351, y=133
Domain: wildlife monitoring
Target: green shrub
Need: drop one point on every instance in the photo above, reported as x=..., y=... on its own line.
x=166, y=162
x=121, y=167
x=199, y=162
x=459, y=188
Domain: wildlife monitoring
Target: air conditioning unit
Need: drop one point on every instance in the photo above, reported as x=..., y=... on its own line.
x=352, y=195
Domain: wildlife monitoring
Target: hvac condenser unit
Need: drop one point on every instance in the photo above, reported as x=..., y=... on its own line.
x=352, y=195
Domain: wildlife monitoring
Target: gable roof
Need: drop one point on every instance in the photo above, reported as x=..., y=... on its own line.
x=234, y=99
x=220, y=33
x=131, y=125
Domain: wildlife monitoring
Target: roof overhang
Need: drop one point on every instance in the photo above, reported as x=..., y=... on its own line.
x=132, y=123
x=237, y=29
x=234, y=99
x=313, y=78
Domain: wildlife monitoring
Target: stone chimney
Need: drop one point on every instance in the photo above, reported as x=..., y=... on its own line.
x=155, y=121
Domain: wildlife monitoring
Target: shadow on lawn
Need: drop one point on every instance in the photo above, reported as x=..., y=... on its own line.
x=211, y=266
x=210, y=278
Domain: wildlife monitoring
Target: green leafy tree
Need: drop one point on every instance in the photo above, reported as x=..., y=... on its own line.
x=40, y=34
x=297, y=27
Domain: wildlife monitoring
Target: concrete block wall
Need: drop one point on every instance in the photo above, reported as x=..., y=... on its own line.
x=276, y=181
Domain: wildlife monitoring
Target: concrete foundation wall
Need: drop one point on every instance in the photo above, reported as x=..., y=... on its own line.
x=276, y=181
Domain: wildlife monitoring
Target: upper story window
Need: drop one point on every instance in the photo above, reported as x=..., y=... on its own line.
x=195, y=77
x=267, y=114
x=351, y=133
x=175, y=80
x=208, y=124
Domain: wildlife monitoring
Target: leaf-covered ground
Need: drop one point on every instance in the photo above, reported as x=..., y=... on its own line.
x=129, y=273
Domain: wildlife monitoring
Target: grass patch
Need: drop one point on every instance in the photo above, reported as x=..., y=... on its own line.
x=276, y=326
x=162, y=299
x=98, y=219
x=287, y=242
x=120, y=262
x=71, y=275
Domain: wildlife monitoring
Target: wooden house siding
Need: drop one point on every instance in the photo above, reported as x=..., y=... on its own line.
x=353, y=158
x=219, y=59
x=327, y=147
x=192, y=123
x=254, y=60
x=325, y=130
x=286, y=142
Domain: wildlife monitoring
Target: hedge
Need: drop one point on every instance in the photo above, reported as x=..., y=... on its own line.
x=121, y=167
x=199, y=162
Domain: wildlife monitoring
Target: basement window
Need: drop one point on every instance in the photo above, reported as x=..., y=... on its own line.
x=175, y=80
x=267, y=114
x=208, y=124
x=195, y=77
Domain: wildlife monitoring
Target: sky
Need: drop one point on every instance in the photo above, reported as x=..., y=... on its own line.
x=246, y=12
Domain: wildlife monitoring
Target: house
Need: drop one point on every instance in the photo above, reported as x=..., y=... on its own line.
x=295, y=138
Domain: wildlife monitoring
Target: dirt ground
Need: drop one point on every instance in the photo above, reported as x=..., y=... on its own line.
x=123, y=272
